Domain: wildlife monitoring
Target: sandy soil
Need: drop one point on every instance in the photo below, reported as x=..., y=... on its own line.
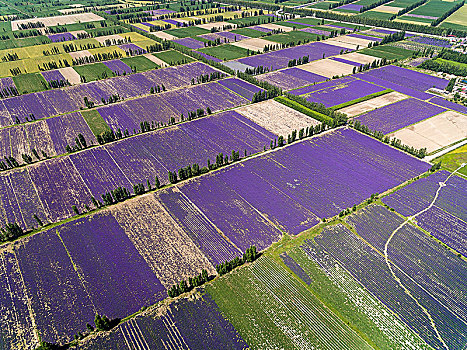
x=328, y=68
x=83, y=53
x=434, y=133
x=163, y=35
x=218, y=25
x=277, y=26
x=71, y=75
x=59, y=20
x=156, y=60
x=359, y=58
x=387, y=9
x=102, y=39
x=336, y=42
x=254, y=44
x=355, y=41
x=374, y=103
x=275, y=117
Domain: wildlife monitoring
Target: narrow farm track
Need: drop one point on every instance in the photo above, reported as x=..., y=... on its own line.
x=397, y=279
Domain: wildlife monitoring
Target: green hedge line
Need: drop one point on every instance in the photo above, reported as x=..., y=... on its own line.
x=300, y=108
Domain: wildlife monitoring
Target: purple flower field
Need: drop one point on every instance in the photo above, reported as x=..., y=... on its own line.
x=117, y=278
x=348, y=91
x=209, y=57
x=407, y=78
x=174, y=22
x=190, y=43
x=53, y=75
x=343, y=60
x=398, y=115
x=6, y=83
x=131, y=48
x=261, y=29
x=366, y=37
x=279, y=59
x=291, y=78
x=58, y=101
x=240, y=87
x=306, y=185
x=322, y=86
x=117, y=67
x=61, y=37
x=316, y=31
x=351, y=7
x=431, y=41
x=364, y=263
x=418, y=195
x=295, y=268
x=232, y=36
x=161, y=107
x=448, y=104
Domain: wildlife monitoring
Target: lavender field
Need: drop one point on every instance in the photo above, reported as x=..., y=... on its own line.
x=398, y=115
x=291, y=78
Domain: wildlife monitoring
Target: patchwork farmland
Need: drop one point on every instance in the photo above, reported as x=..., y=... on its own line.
x=206, y=175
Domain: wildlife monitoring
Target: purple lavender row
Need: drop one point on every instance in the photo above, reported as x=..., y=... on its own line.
x=338, y=94
x=58, y=101
x=363, y=263
x=322, y=86
x=118, y=67
x=366, y=37
x=291, y=78
x=295, y=268
x=241, y=87
x=61, y=37
x=399, y=115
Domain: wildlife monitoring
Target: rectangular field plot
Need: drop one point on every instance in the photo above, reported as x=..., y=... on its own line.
x=399, y=115
x=342, y=92
x=276, y=117
x=116, y=277
x=418, y=195
x=160, y=108
x=434, y=133
x=53, y=102
x=373, y=103
x=338, y=290
x=298, y=185
x=404, y=80
x=280, y=59
x=193, y=323
x=364, y=263
x=291, y=78
x=257, y=300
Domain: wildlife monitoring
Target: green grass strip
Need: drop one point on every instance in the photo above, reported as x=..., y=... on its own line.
x=361, y=99
x=305, y=110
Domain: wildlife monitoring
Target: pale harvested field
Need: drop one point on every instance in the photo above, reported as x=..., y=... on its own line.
x=387, y=9
x=359, y=57
x=336, y=42
x=170, y=253
x=59, y=20
x=354, y=41
x=71, y=75
x=79, y=54
x=277, y=27
x=328, y=68
x=275, y=117
x=163, y=35
x=102, y=39
x=374, y=103
x=254, y=44
x=156, y=60
x=218, y=25
x=67, y=11
x=436, y=132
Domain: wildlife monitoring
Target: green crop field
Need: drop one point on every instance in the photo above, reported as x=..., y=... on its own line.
x=173, y=57
x=258, y=301
x=248, y=32
x=389, y=52
x=434, y=8
x=312, y=21
x=255, y=20
x=187, y=32
x=141, y=63
x=95, y=121
x=458, y=20
x=27, y=83
x=402, y=3
x=94, y=71
x=322, y=5
x=225, y=52
x=289, y=37
x=376, y=15
x=452, y=160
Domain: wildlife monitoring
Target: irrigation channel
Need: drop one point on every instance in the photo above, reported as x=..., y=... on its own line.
x=425, y=311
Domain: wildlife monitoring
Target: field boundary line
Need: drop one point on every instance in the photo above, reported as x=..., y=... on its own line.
x=386, y=258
